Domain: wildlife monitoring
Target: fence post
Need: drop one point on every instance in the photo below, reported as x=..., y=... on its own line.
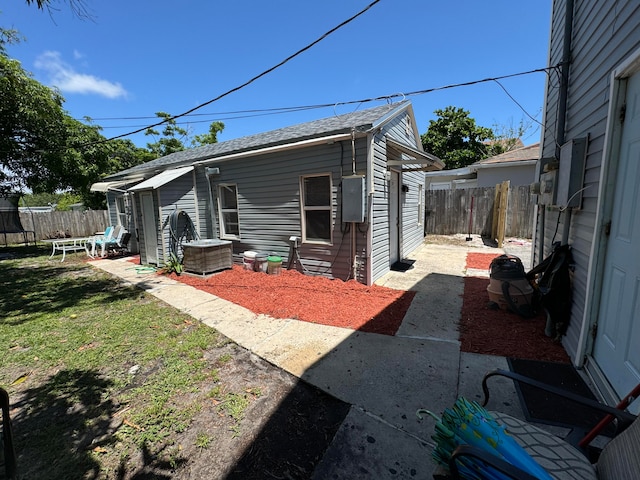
x=500, y=208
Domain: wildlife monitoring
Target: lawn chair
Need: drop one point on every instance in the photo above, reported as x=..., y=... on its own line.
x=119, y=245
x=111, y=235
x=7, y=452
x=569, y=458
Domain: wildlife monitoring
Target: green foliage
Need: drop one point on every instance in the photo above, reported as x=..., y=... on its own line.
x=208, y=138
x=39, y=199
x=8, y=36
x=44, y=150
x=32, y=128
x=66, y=200
x=172, y=139
x=173, y=264
x=74, y=364
x=62, y=201
x=456, y=139
x=203, y=440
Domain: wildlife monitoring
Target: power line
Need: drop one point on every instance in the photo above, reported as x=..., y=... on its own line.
x=280, y=110
x=250, y=81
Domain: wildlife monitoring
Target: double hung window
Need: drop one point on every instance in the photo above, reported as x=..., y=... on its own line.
x=316, y=208
x=228, y=211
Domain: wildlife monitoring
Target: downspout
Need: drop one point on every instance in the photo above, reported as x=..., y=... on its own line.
x=214, y=229
x=562, y=102
x=369, y=213
x=354, y=248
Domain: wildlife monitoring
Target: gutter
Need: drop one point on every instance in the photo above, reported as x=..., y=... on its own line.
x=277, y=148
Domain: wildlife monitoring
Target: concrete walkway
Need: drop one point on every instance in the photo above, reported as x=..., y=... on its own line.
x=385, y=379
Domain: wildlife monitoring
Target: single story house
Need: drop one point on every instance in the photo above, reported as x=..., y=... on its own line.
x=589, y=171
x=341, y=197
x=518, y=166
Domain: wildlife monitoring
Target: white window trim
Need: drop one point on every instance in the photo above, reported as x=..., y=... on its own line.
x=122, y=216
x=304, y=208
x=221, y=225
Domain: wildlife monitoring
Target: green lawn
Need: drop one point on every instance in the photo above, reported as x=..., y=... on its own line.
x=94, y=367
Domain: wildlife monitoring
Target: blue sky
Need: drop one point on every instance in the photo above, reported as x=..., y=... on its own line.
x=136, y=58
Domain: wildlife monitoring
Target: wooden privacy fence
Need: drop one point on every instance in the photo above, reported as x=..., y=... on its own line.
x=73, y=223
x=448, y=212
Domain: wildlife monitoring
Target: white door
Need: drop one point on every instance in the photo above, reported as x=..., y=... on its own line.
x=617, y=343
x=394, y=217
x=149, y=229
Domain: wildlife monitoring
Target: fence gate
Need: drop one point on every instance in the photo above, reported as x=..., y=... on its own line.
x=449, y=212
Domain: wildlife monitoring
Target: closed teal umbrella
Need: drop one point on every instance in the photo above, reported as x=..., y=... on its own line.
x=467, y=423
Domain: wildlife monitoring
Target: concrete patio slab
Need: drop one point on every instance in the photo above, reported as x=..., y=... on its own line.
x=386, y=379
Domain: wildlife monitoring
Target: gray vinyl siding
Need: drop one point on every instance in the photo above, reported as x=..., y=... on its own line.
x=268, y=189
x=177, y=195
x=412, y=229
x=380, y=211
x=604, y=34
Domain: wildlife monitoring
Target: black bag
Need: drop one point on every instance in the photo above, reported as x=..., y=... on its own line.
x=553, y=279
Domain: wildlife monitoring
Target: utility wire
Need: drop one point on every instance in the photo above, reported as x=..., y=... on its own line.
x=274, y=111
x=250, y=81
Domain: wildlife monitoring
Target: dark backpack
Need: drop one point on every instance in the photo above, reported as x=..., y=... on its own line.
x=552, y=279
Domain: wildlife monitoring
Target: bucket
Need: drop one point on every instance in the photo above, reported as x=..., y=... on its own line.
x=261, y=263
x=274, y=265
x=520, y=291
x=249, y=259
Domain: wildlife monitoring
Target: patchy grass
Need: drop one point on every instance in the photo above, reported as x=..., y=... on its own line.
x=107, y=382
x=97, y=371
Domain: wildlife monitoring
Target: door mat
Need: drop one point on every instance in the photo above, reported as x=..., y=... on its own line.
x=546, y=408
x=402, y=265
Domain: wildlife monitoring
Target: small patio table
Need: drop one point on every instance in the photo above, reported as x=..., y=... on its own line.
x=67, y=245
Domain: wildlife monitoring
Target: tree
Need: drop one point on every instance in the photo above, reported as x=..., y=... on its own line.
x=32, y=127
x=208, y=138
x=456, y=139
x=87, y=157
x=77, y=7
x=172, y=140
x=507, y=137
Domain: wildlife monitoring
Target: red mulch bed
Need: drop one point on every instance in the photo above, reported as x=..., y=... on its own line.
x=480, y=261
x=498, y=332
x=313, y=299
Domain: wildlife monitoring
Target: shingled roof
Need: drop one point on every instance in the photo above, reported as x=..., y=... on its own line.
x=530, y=152
x=362, y=121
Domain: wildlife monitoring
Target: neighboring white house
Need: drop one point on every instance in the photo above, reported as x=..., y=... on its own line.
x=518, y=166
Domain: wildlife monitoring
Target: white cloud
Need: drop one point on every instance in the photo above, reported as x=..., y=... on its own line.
x=63, y=76
x=78, y=55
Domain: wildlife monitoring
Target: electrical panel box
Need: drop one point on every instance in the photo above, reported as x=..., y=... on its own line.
x=570, y=178
x=353, y=199
x=547, y=189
